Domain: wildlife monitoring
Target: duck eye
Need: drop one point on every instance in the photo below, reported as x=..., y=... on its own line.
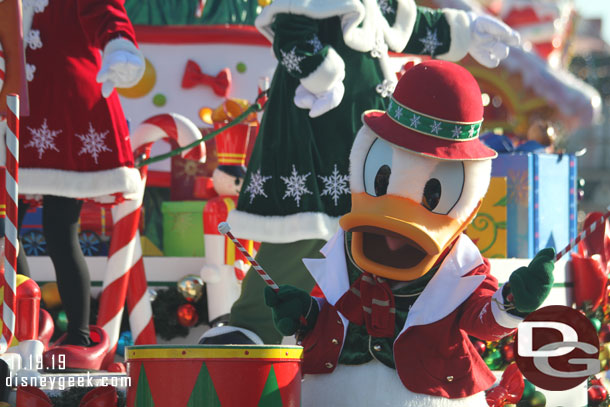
x=378, y=168
x=444, y=187
x=432, y=194
x=382, y=179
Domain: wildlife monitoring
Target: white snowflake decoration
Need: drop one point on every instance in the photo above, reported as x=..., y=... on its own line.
x=455, y=133
x=398, y=112
x=93, y=143
x=43, y=139
x=29, y=72
x=385, y=7
x=291, y=60
x=335, y=185
x=295, y=186
x=33, y=39
x=436, y=127
x=415, y=121
x=256, y=186
x=431, y=42
x=316, y=44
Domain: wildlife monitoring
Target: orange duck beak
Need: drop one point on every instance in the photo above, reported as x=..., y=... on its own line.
x=397, y=238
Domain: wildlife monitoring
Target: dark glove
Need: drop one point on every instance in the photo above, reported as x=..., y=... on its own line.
x=531, y=285
x=293, y=309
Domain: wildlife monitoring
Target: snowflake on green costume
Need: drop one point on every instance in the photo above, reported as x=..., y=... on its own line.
x=455, y=133
x=431, y=42
x=385, y=7
x=291, y=60
x=43, y=139
x=436, y=127
x=256, y=185
x=316, y=44
x=415, y=121
x=335, y=185
x=295, y=185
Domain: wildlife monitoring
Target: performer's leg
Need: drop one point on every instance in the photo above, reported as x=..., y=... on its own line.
x=283, y=262
x=60, y=224
x=22, y=260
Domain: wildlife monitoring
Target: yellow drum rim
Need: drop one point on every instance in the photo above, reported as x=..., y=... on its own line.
x=152, y=352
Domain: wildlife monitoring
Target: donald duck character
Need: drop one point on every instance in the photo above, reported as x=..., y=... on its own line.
x=403, y=286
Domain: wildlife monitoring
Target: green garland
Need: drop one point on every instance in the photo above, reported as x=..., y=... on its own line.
x=165, y=308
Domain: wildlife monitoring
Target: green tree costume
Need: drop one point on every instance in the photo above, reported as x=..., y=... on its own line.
x=296, y=187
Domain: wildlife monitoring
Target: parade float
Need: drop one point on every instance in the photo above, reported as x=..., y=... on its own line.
x=516, y=220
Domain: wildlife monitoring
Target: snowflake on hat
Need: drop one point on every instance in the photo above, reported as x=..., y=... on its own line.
x=403, y=287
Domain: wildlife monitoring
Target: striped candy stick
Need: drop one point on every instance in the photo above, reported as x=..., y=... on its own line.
x=583, y=235
x=225, y=229
x=9, y=282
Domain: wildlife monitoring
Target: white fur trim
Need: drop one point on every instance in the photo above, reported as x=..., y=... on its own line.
x=350, y=11
x=459, y=25
x=329, y=72
x=398, y=35
x=503, y=318
x=372, y=384
x=74, y=184
x=221, y=330
x=282, y=229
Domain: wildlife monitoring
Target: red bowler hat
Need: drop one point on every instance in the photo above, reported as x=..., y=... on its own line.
x=436, y=110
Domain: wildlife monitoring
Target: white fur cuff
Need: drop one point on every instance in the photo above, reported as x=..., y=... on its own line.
x=459, y=25
x=503, y=318
x=326, y=75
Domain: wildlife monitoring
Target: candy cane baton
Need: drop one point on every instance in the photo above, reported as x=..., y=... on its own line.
x=125, y=277
x=9, y=282
x=225, y=229
x=582, y=235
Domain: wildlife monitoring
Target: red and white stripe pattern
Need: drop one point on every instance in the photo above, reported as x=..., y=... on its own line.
x=2, y=67
x=125, y=278
x=9, y=282
x=582, y=235
x=225, y=229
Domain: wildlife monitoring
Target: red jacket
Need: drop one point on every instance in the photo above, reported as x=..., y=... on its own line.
x=433, y=354
x=75, y=142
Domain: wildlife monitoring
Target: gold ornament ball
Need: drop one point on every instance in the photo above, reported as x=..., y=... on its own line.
x=191, y=287
x=264, y=3
x=144, y=86
x=50, y=295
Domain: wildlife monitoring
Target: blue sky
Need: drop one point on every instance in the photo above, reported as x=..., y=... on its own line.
x=596, y=8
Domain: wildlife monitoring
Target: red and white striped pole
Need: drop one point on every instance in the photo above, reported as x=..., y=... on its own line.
x=9, y=282
x=583, y=235
x=125, y=279
x=225, y=229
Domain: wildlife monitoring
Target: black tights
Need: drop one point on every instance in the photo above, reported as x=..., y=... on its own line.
x=60, y=227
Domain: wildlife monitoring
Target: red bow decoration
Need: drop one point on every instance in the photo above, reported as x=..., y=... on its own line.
x=510, y=389
x=590, y=266
x=99, y=397
x=221, y=83
x=370, y=301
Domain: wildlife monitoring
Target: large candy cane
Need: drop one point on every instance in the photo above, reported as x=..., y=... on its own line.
x=9, y=282
x=125, y=277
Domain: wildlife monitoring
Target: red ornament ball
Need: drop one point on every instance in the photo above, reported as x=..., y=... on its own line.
x=187, y=315
x=480, y=346
x=597, y=393
x=508, y=351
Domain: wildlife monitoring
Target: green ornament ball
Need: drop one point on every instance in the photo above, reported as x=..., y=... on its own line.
x=537, y=400
x=493, y=360
x=61, y=322
x=241, y=67
x=159, y=100
x=528, y=390
x=597, y=324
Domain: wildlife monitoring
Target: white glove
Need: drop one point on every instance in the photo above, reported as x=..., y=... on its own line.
x=122, y=66
x=490, y=39
x=320, y=103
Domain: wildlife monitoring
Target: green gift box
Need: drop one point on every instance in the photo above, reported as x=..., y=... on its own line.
x=183, y=228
